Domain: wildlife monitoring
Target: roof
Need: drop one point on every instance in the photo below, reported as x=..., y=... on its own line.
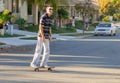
x=71, y=2
x=74, y=2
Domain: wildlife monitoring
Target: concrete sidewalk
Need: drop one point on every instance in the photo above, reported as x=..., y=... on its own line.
x=16, y=41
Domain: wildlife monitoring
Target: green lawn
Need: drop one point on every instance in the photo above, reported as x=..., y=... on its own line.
x=76, y=34
x=32, y=28
x=2, y=43
x=64, y=30
x=59, y=30
x=8, y=35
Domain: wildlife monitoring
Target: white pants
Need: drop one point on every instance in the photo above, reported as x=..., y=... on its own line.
x=38, y=52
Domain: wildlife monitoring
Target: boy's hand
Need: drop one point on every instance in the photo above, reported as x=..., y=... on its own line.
x=50, y=38
x=43, y=39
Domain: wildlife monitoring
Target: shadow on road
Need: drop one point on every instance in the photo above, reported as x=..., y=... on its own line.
x=71, y=53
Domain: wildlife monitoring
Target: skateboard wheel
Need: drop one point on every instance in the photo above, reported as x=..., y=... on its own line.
x=49, y=69
x=36, y=69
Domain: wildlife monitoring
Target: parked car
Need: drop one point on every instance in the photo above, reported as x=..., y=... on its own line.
x=106, y=28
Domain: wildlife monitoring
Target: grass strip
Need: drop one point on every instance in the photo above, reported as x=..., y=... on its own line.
x=8, y=35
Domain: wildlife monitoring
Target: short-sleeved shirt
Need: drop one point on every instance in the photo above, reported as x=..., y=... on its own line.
x=46, y=21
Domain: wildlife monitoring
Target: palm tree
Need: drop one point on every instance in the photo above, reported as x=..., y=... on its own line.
x=39, y=4
x=56, y=4
x=62, y=15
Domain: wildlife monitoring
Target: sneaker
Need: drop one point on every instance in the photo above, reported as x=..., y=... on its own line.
x=34, y=66
x=42, y=66
x=47, y=66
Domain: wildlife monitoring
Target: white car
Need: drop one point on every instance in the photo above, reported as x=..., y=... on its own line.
x=105, y=28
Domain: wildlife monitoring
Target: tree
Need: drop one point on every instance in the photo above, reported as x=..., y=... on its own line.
x=112, y=9
x=40, y=4
x=86, y=10
x=117, y=6
x=109, y=9
x=56, y=4
x=102, y=4
x=62, y=14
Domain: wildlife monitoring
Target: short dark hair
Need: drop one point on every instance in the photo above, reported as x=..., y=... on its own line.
x=48, y=5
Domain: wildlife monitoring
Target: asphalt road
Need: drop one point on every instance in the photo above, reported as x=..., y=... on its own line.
x=89, y=60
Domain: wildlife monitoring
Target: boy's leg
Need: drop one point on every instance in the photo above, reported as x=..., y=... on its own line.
x=37, y=54
x=46, y=53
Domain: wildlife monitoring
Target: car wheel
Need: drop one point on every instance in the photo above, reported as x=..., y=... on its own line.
x=114, y=34
x=95, y=34
x=111, y=34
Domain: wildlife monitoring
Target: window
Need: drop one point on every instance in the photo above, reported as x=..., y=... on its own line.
x=29, y=9
x=15, y=6
x=104, y=25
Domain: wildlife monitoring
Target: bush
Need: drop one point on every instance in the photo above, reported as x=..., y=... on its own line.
x=116, y=17
x=106, y=19
x=78, y=24
x=94, y=24
x=69, y=29
x=63, y=30
x=69, y=24
x=32, y=28
x=21, y=23
x=5, y=15
x=63, y=13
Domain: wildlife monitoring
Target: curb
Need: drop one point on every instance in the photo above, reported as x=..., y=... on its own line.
x=80, y=37
x=5, y=46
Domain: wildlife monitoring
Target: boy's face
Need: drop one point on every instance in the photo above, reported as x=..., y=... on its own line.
x=49, y=10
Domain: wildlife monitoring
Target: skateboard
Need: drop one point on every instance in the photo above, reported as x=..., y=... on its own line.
x=48, y=68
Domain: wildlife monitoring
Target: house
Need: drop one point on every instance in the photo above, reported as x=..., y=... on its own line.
x=74, y=14
x=17, y=7
x=20, y=8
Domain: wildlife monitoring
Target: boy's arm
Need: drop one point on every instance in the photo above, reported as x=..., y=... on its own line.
x=50, y=34
x=41, y=32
